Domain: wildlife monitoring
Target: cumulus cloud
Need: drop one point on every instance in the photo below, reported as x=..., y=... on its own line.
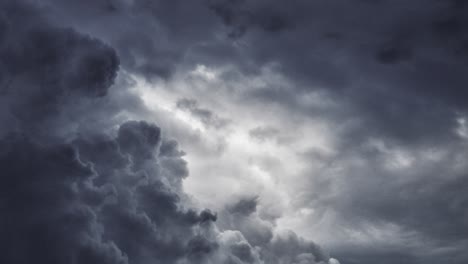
x=106, y=191
x=344, y=120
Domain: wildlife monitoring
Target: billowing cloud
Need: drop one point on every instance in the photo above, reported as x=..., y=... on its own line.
x=342, y=120
x=81, y=181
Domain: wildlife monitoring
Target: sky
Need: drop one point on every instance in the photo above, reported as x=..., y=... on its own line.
x=233, y=131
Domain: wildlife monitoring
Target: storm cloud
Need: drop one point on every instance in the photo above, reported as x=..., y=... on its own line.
x=108, y=191
x=233, y=131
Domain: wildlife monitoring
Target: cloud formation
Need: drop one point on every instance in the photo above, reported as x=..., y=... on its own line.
x=344, y=120
x=81, y=185
x=205, y=116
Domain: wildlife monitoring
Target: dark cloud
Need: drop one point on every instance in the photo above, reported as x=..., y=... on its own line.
x=80, y=184
x=90, y=198
x=207, y=117
x=240, y=15
x=392, y=54
x=48, y=69
x=242, y=215
x=423, y=199
x=58, y=208
x=244, y=206
x=289, y=248
x=411, y=57
x=394, y=71
x=199, y=248
x=44, y=219
x=151, y=37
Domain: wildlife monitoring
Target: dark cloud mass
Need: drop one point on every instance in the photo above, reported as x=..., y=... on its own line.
x=83, y=182
x=78, y=190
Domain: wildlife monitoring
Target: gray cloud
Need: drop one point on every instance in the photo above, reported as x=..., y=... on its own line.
x=239, y=16
x=263, y=133
x=394, y=72
x=419, y=196
x=60, y=63
x=205, y=116
x=163, y=39
x=390, y=58
x=80, y=184
x=244, y=206
x=87, y=198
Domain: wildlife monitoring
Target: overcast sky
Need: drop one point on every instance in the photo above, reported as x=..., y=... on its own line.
x=233, y=131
